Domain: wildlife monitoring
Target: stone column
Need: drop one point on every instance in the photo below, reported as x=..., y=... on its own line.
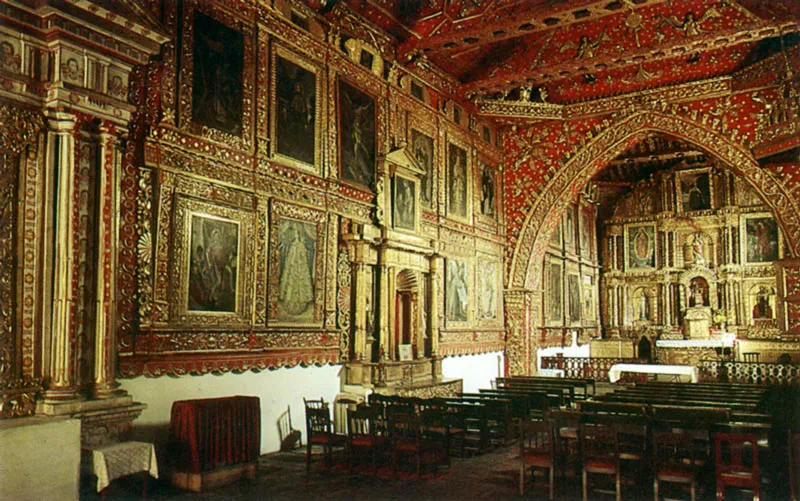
x=58, y=372
x=105, y=360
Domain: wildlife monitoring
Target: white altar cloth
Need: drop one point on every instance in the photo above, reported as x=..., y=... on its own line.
x=616, y=370
x=694, y=343
x=125, y=458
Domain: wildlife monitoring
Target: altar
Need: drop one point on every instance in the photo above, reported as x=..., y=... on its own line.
x=694, y=351
x=692, y=372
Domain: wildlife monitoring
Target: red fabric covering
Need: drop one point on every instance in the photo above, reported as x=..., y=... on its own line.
x=207, y=434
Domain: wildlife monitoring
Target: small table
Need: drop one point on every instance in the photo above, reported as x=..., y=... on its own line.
x=125, y=458
x=616, y=370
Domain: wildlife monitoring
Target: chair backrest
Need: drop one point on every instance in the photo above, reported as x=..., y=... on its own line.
x=736, y=452
x=537, y=437
x=362, y=421
x=673, y=450
x=404, y=426
x=318, y=421
x=599, y=442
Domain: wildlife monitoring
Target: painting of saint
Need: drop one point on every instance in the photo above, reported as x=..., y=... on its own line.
x=217, y=80
x=762, y=240
x=297, y=251
x=457, y=181
x=404, y=203
x=695, y=192
x=357, y=135
x=641, y=247
x=296, y=101
x=555, y=239
x=457, y=294
x=762, y=308
x=488, y=289
x=554, y=295
x=574, y=291
x=422, y=146
x=487, y=190
x=588, y=297
x=214, y=255
x=698, y=292
x=586, y=239
x=569, y=228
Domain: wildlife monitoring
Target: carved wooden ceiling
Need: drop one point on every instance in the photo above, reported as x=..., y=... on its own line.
x=583, y=49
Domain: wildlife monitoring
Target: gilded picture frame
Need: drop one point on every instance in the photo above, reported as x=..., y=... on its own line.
x=358, y=141
x=694, y=190
x=488, y=287
x=423, y=145
x=487, y=191
x=640, y=247
x=297, y=248
x=405, y=206
x=588, y=297
x=458, y=181
x=570, y=228
x=554, y=294
x=214, y=249
x=574, y=299
x=192, y=63
x=761, y=239
x=457, y=293
x=296, y=98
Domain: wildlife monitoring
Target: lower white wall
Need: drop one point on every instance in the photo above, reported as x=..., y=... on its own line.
x=573, y=350
x=277, y=390
x=477, y=371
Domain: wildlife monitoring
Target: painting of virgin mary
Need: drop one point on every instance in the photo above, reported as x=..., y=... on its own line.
x=641, y=247
x=297, y=250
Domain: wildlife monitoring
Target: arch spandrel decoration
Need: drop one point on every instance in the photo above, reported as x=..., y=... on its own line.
x=538, y=226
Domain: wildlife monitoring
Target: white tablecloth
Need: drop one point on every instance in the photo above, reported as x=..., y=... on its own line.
x=125, y=458
x=616, y=370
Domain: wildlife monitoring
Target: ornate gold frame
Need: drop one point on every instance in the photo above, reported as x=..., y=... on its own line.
x=289, y=55
x=279, y=211
x=185, y=209
x=490, y=221
x=470, y=296
x=480, y=259
x=743, y=237
x=426, y=128
x=549, y=262
x=377, y=102
x=186, y=74
x=573, y=272
x=679, y=186
x=417, y=203
x=464, y=145
x=629, y=228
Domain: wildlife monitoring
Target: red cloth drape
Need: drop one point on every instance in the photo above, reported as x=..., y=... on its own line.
x=207, y=434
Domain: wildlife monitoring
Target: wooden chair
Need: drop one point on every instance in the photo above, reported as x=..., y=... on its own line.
x=319, y=431
x=600, y=455
x=365, y=441
x=537, y=450
x=437, y=425
x=736, y=463
x=409, y=439
x=674, y=461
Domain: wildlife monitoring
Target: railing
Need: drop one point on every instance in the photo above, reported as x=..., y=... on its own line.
x=749, y=372
x=588, y=368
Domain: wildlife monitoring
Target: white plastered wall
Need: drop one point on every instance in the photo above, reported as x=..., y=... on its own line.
x=477, y=371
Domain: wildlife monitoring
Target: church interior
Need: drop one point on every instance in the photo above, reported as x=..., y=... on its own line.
x=268, y=222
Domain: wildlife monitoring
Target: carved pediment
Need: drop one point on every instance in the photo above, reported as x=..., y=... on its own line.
x=404, y=159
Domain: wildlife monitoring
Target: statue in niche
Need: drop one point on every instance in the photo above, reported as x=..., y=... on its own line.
x=698, y=292
x=698, y=256
x=762, y=308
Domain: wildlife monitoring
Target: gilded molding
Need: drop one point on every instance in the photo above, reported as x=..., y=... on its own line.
x=19, y=127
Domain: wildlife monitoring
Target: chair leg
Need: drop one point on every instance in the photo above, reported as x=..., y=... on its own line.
x=552, y=479
x=585, y=486
x=619, y=486
x=720, y=492
x=521, y=479
x=308, y=457
x=655, y=489
x=694, y=490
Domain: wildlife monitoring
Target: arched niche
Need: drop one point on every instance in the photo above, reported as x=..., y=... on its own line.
x=405, y=329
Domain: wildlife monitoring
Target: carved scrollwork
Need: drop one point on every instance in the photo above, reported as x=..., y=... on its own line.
x=18, y=128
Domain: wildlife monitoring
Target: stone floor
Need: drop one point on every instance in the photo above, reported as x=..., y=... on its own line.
x=282, y=476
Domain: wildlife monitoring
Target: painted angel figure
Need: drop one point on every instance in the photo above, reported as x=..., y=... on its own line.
x=586, y=46
x=690, y=26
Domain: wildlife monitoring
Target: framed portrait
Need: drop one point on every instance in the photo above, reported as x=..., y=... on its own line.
x=760, y=237
x=554, y=293
x=587, y=296
x=586, y=230
x=296, y=265
x=574, y=303
x=422, y=146
x=555, y=238
x=488, y=191
x=218, y=52
x=457, y=291
x=404, y=203
x=761, y=303
x=296, y=110
x=694, y=190
x=641, y=246
x=357, y=140
x=458, y=192
x=213, y=255
x=569, y=228
x=488, y=288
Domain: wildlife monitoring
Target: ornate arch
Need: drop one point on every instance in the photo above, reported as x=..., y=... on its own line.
x=543, y=215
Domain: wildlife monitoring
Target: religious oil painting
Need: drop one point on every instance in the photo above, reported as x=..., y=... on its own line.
x=555, y=238
x=214, y=263
x=574, y=291
x=487, y=191
x=488, y=280
x=587, y=294
x=569, y=228
x=762, y=298
x=422, y=145
x=218, y=74
x=297, y=251
x=554, y=294
x=457, y=292
x=762, y=241
x=404, y=205
x=641, y=246
x=457, y=182
x=695, y=191
x=357, y=135
x=295, y=125
x=586, y=234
